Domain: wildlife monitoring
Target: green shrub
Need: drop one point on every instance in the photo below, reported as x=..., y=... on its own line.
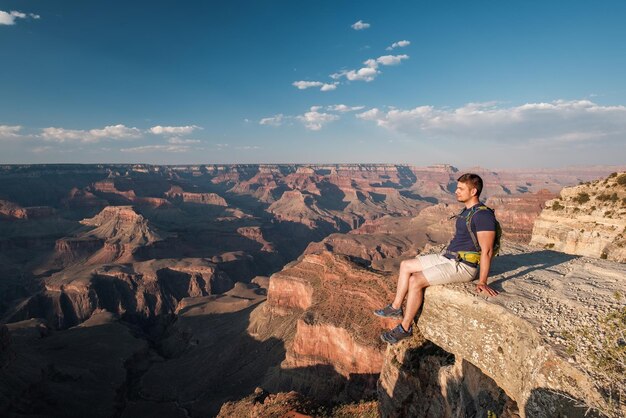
x=557, y=206
x=581, y=198
x=608, y=197
x=621, y=180
x=612, y=175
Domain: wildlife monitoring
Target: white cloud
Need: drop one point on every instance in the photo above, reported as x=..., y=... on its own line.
x=315, y=120
x=90, y=136
x=559, y=121
x=8, y=18
x=367, y=74
x=173, y=130
x=8, y=131
x=247, y=147
x=391, y=59
x=303, y=85
x=343, y=108
x=182, y=141
x=164, y=148
x=399, y=44
x=370, y=71
x=360, y=25
x=275, y=120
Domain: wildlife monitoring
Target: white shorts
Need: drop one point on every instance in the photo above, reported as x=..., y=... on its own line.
x=441, y=270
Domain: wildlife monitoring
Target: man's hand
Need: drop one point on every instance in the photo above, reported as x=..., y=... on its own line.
x=485, y=288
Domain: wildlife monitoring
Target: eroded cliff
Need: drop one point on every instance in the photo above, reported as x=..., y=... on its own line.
x=588, y=219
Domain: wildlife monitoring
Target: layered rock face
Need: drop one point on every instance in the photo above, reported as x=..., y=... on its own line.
x=382, y=241
x=12, y=210
x=588, y=219
x=335, y=353
x=517, y=213
x=123, y=231
x=198, y=198
x=141, y=290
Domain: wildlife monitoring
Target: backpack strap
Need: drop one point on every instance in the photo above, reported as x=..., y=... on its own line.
x=468, y=223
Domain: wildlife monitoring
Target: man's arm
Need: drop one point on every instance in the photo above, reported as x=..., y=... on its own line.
x=485, y=240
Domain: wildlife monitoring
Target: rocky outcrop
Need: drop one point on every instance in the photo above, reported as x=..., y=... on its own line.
x=12, y=210
x=516, y=342
x=335, y=353
x=256, y=234
x=141, y=290
x=262, y=404
x=177, y=192
x=123, y=231
x=71, y=250
x=588, y=219
x=517, y=213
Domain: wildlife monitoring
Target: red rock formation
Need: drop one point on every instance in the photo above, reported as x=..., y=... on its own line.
x=254, y=233
x=143, y=289
x=332, y=300
x=70, y=250
x=517, y=213
x=12, y=210
x=123, y=231
x=198, y=198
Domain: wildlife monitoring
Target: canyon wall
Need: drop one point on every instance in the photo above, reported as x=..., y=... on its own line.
x=588, y=219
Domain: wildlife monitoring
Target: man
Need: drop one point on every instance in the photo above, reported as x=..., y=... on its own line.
x=459, y=263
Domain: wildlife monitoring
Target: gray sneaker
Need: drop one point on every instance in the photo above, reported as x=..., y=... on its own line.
x=389, y=312
x=396, y=335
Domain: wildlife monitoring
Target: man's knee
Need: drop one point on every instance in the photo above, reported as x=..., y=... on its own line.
x=418, y=281
x=413, y=265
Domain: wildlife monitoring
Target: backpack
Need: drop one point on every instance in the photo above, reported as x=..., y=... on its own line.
x=474, y=256
x=468, y=223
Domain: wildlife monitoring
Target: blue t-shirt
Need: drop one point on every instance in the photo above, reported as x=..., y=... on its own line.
x=483, y=220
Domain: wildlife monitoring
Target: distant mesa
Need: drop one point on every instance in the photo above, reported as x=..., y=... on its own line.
x=177, y=193
x=10, y=210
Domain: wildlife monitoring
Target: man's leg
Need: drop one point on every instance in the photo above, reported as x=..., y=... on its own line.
x=416, y=285
x=407, y=267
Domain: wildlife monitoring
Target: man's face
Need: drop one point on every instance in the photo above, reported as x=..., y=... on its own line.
x=463, y=192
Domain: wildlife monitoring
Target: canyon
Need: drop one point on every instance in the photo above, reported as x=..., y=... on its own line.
x=138, y=290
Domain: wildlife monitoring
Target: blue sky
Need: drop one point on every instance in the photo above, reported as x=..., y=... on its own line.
x=492, y=83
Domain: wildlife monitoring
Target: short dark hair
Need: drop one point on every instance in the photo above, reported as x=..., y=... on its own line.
x=473, y=180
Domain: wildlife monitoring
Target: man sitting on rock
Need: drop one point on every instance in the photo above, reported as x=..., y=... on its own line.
x=468, y=250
